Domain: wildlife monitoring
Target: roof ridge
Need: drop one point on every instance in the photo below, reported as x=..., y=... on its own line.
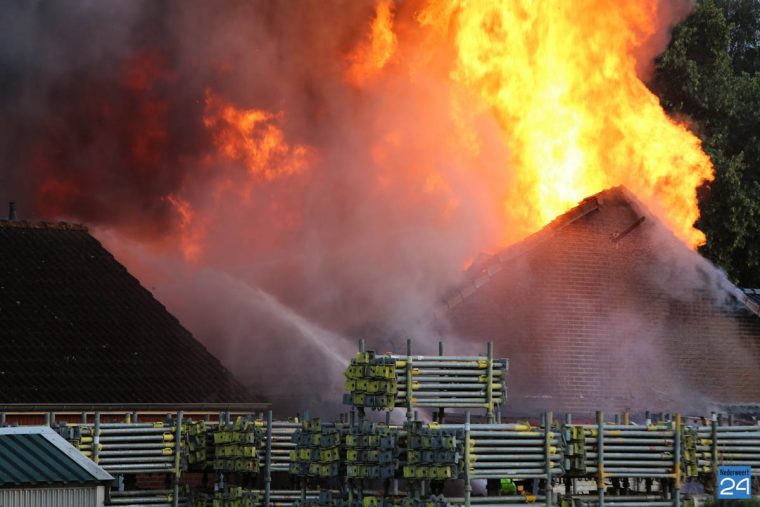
x=494, y=264
x=42, y=224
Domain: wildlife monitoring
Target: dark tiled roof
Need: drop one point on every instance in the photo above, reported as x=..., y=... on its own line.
x=75, y=326
x=38, y=456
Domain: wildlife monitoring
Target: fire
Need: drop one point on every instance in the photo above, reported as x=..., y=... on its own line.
x=253, y=137
x=192, y=231
x=561, y=79
x=370, y=57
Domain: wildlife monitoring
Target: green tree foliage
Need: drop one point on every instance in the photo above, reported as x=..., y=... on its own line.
x=710, y=77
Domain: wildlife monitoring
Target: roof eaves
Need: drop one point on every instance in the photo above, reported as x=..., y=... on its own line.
x=40, y=224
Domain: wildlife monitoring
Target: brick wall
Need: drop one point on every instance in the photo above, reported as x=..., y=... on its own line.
x=594, y=320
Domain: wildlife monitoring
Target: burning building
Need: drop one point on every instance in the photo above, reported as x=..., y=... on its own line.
x=284, y=173
x=605, y=309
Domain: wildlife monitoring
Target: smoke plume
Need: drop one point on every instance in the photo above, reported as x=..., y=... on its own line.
x=286, y=176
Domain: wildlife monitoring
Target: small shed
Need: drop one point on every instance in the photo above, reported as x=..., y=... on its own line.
x=39, y=468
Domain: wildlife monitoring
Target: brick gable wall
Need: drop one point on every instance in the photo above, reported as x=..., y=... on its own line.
x=594, y=321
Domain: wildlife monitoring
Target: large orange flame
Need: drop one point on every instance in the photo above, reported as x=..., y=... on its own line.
x=372, y=55
x=253, y=137
x=561, y=78
x=192, y=230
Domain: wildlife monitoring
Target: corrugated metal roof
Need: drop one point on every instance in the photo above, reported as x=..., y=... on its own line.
x=37, y=456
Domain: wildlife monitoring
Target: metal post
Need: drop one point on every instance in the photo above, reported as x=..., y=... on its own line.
x=96, y=438
x=84, y=417
x=47, y=419
x=570, y=488
x=489, y=387
x=177, y=451
x=361, y=346
x=2, y=419
x=714, y=454
x=268, y=461
x=409, y=387
x=467, y=486
x=626, y=418
x=677, y=460
x=600, y=457
x=441, y=410
x=548, y=419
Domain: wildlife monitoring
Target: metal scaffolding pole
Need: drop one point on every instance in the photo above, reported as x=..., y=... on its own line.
x=548, y=419
x=467, y=486
x=600, y=457
x=177, y=441
x=677, y=462
x=268, y=462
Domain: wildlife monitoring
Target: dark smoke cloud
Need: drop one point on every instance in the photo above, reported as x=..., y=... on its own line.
x=102, y=122
x=95, y=124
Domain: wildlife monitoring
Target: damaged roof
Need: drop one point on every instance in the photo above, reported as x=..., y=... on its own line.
x=486, y=266
x=752, y=299
x=606, y=309
x=76, y=327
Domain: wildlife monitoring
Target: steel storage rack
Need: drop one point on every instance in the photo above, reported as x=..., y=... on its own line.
x=354, y=461
x=386, y=381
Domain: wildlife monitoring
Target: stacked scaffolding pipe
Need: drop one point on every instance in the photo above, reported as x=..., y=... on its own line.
x=282, y=444
x=288, y=498
x=357, y=462
x=143, y=498
x=130, y=448
x=384, y=381
x=732, y=445
x=631, y=451
x=487, y=501
x=511, y=450
x=451, y=381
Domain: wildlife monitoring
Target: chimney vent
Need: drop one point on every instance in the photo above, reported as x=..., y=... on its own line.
x=11, y=210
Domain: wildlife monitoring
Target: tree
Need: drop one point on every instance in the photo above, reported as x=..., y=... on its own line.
x=711, y=74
